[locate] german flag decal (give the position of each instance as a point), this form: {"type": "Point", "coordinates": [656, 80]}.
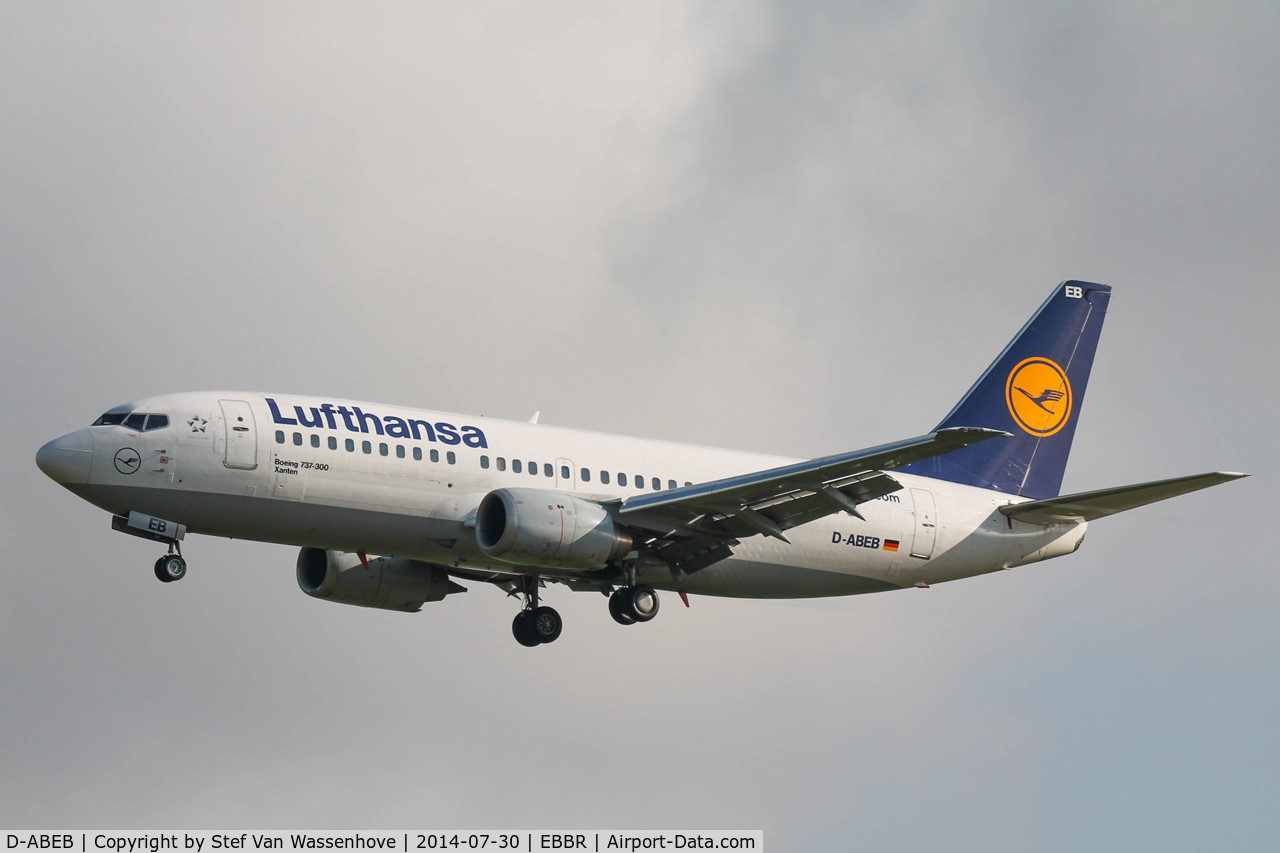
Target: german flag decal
{"type": "Point", "coordinates": [891, 544]}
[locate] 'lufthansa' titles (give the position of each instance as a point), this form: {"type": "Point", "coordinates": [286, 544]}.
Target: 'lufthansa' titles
{"type": "Point", "coordinates": [327, 416]}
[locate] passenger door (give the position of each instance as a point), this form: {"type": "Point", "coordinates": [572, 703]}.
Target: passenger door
{"type": "Point", "coordinates": [926, 531]}
{"type": "Point", "coordinates": [241, 435]}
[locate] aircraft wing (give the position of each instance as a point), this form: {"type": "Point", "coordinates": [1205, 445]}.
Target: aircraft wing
{"type": "Point", "coordinates": [697, 525]}
{"type": "Point", "coordinates": [1086, 506]}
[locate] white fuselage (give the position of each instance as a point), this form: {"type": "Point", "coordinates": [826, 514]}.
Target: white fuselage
{"type": "Point", "coordinates": [228, 464]}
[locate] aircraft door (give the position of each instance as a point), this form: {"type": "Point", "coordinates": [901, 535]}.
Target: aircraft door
{"type": "Point", "coordinates": [241, 435]}
{"type": "Point", "coordinates": [565, 475]}
{"type": "Point", "coordinates": [926, 527]}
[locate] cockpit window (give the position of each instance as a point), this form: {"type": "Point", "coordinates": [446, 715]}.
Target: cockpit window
{"type": "Point", "coordinates": [137, 420]}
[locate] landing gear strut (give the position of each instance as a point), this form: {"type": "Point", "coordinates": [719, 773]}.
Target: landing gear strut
{"type": "Point", "coordinates": [171, 567]}
{"type": "Point", "coordinates": [535, 624]}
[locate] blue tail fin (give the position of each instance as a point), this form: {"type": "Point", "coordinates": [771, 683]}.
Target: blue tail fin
{"type": "Point", "coordinates": [1034, 390]}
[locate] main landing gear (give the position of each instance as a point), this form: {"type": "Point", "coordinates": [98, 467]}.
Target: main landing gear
{"type": "Point", "coordinates": [631, 604]}
{"type": "Point", "coordinates": [534, 624]}
{"type": "Point", "coordinates": [171, 567]}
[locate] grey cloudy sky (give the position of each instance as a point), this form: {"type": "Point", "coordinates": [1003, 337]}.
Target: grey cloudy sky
{"type": "Point", "coordinates": [799, 228]}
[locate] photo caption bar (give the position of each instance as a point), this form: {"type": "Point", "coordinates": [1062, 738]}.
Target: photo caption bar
{"type": "Point", "coordinates": [401, 841]}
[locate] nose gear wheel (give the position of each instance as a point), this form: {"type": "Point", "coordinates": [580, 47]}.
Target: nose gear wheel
{"type": "Point", "coordinates": [171, 567]}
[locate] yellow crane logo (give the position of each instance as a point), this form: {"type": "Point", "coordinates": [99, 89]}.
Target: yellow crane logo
{"type": "Point", "coordinates": [1039, 396]}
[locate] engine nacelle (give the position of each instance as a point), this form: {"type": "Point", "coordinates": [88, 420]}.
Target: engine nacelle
{"type": "Point", "coordinates": [390, 583]}
{"type": "Point", "coordinates": [533, 527]}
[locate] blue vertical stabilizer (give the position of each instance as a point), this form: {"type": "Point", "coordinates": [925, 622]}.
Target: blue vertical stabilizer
{"type": "Point", "coordinates": [1034, 390]}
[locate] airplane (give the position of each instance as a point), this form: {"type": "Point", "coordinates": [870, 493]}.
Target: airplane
{"type": "Point", "coordinates": [440, 498]}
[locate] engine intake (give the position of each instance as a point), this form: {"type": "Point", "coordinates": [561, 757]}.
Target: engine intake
{"type": "Point", "coordinates": [533, 527]}
{"type": "Point", "coordinates": [390, 583]}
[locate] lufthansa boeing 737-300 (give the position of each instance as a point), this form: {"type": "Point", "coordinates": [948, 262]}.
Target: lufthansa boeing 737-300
{"type": "Point", "coordinates": [444, 498]}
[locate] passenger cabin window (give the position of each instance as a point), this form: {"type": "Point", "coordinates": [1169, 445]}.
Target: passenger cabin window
{"type": "Point", "coordinates": [297, 439]}
{"type": "Point", "coordinates": [687, 483]}
{"type": "Point", "coordinates": [622, 479]}
{"type": "Point", "coordinates": [157, 422]}
{"type": "Point", "coordinates": [484, 461]}
{"type": "Point", "coordinates": [671, 484]}
{"type": "Point", "coordinates": [351, 446]}
{"type": "Point", "coordinates": [315, 440]}
{"type": "Point", "coordinates": [435, 455]}
{"type": "Point", "coordinates": [417, 453]}
{"type": "Point", "coordinates": [110, 419]}
{"type": "Point", "coordinates": [366, 447]}
{"type": "Point", "coordinates": [136, 421]}
{"type": "Point", "coordinates": [451, 457]}
{"type": "Point", "coordinates": [604, 478]}
{"type": "Point", "coordinates": [533, 469]}
{"type": "Point", "coordinates": [657, 484]}
{"type": "Point", "coordinates": [399, 451]}
{"type": "Point", "coordinates": [547, 470]}
{"type": "Point", "coordinates": [564, 472]}
{"type": "Point", "coordinates": [382, 448]}
{"type": "Point", "coordinates": [279, 436]}
{"type": "Point", "coordinates": [639, 481]}
{"type": "Point", "coordinates": [333, 443]}
{"type": "Point", "coordinates": [515, 466]}
{"type": "Point", "coordinates": [586, 475]}
{"type": "Point", "coordinates": [502, 464]}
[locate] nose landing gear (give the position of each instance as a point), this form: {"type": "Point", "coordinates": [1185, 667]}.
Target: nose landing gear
{"type": "Point", "coordinates": [171, 567]}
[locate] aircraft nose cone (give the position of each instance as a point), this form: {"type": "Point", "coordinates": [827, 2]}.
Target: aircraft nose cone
{"type": "Point", "coordinates": [66, 460]}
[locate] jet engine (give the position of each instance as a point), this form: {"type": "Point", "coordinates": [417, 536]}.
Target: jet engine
{"type": "Point", "coordinates": [390, 583]}
{"type": "Point", "coordinates": [533, 527]}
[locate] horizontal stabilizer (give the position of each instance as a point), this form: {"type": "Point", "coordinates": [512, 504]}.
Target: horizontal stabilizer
{"type": "Point", "coordinates": [1086, 506]}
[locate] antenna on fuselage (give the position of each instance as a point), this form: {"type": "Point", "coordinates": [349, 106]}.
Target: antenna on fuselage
{"type": "Point", "coordinates": [534, 419]}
